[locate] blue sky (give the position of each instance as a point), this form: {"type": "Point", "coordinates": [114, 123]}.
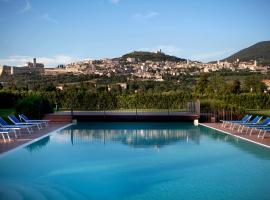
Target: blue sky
{"type": "Point", "coordinates": [58, 31]}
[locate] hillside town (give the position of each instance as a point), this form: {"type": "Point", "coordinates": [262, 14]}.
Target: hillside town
{"type": "Point", "coordinates": [146, 70]}
{"type": "Point", "coordinates": [156, 70]}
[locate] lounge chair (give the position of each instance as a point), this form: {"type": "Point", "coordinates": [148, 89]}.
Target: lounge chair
{"type": "Point", "coordinates": [252, 127]}
{"type": "Point", "coordinates": [5, 131]}
{"type": "Point", "coordinates": [233, 124]}
{"type": "Point", "coordinates": [263, 131]}
{"type": "Point", "coordinates": [16, 121]}
{"type": "Point", "coordinates": [4, 124]}
{"type": "Point", "coordinates": [246, 118]}
{"type": "Point", "coordinates": [27, 120]}
{"type": "Point", "coordinates": [252, 122]}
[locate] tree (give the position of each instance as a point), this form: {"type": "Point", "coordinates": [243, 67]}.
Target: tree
{"type": "Point", "coordinates": [234, 87]}
{"type": "Point", "coordinates": [217, 86]}
{"type": "Point", "coordinates": [253, 84]}
{"type": "Point", "coordinates": [201, 85]}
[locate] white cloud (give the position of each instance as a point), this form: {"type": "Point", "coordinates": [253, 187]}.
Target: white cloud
{"type": "Point", "coordinates": [49, 19]}
{"type": "Point", "coordinates": [151, 14]}
{"type": "Point", "coordinates": [27, 7]}
{"type": "Point", "coordinates": [211, 56]}
{"type": "Point", "coordinates": [145, 16]}
{"type": "Point", "coordinates": [47, 61]}
{"type": "Point", "coordinates": [114, 1]}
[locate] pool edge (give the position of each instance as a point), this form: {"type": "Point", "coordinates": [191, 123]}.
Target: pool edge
{"type": "Point", "coordinates": [34, 140]}
{"type": "Point", "coordinates": [237, 136]}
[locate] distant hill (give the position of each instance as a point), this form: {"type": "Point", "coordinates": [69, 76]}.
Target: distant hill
{"type": "Point", "coordinates": [159, 56]}
{"type": "Point", "coordinates": [259, 52]}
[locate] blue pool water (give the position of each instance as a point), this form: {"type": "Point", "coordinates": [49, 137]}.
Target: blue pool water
{"type": "Point", "coordinates": [136, 161]}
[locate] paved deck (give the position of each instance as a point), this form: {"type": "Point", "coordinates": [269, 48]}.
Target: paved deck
{"type": "Point", "coordinates": [245, 136]}
{"type": "Point", "coordinates": [26, 138]}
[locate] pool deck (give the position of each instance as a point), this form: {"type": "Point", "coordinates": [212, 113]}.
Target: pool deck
{"type": "Point", "coordinates": [26, 138]}
{"type": "Point", "coordinates": [250, 138]}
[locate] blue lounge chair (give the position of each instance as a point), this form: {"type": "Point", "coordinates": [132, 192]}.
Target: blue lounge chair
{"type": "Point", "coordinates": [252, 122]}
{"type": "Point", "coordinates": [15, 121]}
{"type": "Point", "coordinates": [252, 127]}
{"type": "Point", "coordinates": [27, 120]}
{"type": "Point", "coordinates": [5, 131]}
{"type": "Point", "coordinates": [233, 124]}
{"type": "Point", "coordinates": [263, 131]}
{"type": "Point", "coordinates": [4, 124]}
{"type": "Point", "coordinates": [246, 118]}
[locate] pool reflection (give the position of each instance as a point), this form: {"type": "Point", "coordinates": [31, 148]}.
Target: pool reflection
{"type": "Point", "coordinates": [144, 136]}
{"type": "Point", "coordinates": [38, 145]}
{"type": "Point", "coordinates": [138, 138]}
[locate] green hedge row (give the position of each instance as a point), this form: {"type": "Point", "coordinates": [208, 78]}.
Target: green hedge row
{"type": "Point", "coordinates": [36, 104]}
{"type": "Point", "coordinates": [109, 101]}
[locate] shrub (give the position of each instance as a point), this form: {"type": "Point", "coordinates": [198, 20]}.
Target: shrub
{"type": "Point", "coordinates": [8, 99]}
{"type": "Point", "coordinates": [34, 106]}
{"type": "Point", "coordinates": [218, 105]}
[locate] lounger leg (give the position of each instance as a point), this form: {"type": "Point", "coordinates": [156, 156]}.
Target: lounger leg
{"type": "Point", "coordinates": [3, 137]}
{"type": "Point", "coordinates": [243, 127]}
{"type": "Point", "coordinates": [15, 133]}
{"type": "Point", "coordinates": [8, 137]}
{"type": "Point", "coordinates": [28, 129]}
{"type": "Point", "coordinates": [263, 134]}
{"type": "Point", "coordinates": [239, 128]}
{"type": "Point", "coordinates": [247, 129]}
{"type": "Point", "coordinates": [250, 133]}
{"type": "Point", "coordinates": [259, 134]}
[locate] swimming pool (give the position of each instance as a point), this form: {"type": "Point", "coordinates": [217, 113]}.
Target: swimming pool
{"type": "Point", "coordinates": [136, 161]}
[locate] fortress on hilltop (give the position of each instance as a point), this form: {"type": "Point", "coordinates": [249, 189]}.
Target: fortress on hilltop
{"type": "Point", "coordinates": [31, 67]}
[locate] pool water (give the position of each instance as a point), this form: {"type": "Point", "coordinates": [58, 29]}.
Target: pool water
{"type": "Point", "coordinates": [136, 161]}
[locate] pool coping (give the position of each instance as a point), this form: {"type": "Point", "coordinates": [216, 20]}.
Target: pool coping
{"type": "Point", "coordinates": [237, 136]}
{"type": "Point", "coordinates": [35, 140]}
